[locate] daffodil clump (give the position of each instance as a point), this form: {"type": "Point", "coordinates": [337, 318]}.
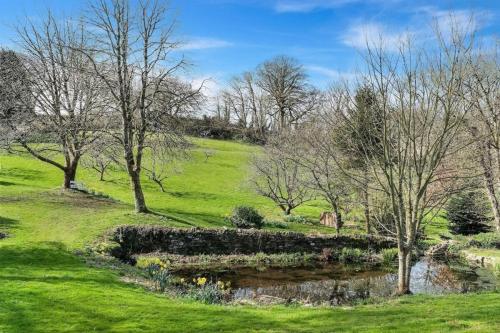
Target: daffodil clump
{"type": "Point", "coordinates": [145, 262]}
{"type": "Point", "coordinates": [201, 281]}
{"type": "Point", "coordinates": [203, 290]}
{"type": "Point", "coordinates": [224, 285]}
{"type": "Point", "coordinates": [199, 288]}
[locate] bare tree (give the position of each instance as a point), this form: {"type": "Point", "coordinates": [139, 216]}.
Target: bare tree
{"type": "Point", "coordinates": [164, 161]}
{"type": "Point", "coordinates": [421, 112]}
{"type": "Point", "coordinates": [101, 156]}
{"type": "Point", "coordinates": [316, 152]}
{"type": "Point", "coordinates": [222, 108]}
{"type": "Point", "coordinates": [16, 102]}
{"type": "Point", "coordinates": [237, 101]}
{"type": "Point", "coordinates": [285, 81]}
{"type": "Point", "coordinates": [482, 94]}
{"type": "Point", "coordinates": [280, 177]}
{"type": "Point", "coordinates": [246, 104]}
{"type": "Point", "coordinates": [259, 104]}
{"type": "Point", "coordinates": [136, 45]}
{"type": "Point", "coordinates": [67, 101]}
{"type": "Point", "coordinates": [175, 99]}
{"type": "Point", "coordinates": [208, 153]}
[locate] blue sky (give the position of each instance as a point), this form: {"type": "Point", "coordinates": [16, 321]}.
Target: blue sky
{"type": "Point", "coordinates": [227, 37]}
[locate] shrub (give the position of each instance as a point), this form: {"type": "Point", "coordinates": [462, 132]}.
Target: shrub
{"type": "Point", "coordinates": [389, 256]}
{"type": "Point", "coordinates": [489, 240]}
{"type": "Point", "coordinates": [296, 219]}
{"type": "Point", "coordinates": [245, 217]}
{"type": "Point", "coordinates": [105, 247]}
{"type": "Point", "coordinates": [468, 213]}
{"type": "Point", "coordinates": [350, 255]}
{"type": "Point", "coordinates": [382, 215]}
{"type": "Point", "coordinates": [276, 224]}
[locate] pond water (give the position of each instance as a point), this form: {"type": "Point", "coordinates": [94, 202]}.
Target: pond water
{"type": "Point", "coordinates": [338, 284]}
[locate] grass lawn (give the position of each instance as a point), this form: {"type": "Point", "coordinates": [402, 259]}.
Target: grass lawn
{"type": "Point", "coordinates": [46, 287]}
{"type": "Point", "coordinates": [492, 256]}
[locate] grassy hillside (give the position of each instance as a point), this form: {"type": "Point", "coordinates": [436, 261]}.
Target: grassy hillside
{"type": "Point", "coordinates": [201, 195]}
{"type": "Point", "coordinates": [46, 287]}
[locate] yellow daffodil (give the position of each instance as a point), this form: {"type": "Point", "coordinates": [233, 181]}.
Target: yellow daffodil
{"type": "Point", "coordinates": [201, 281]}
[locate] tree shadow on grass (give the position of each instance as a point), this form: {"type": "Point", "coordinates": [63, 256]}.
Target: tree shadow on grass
{"type": "Point", "coordinates": [6, 224]}
{"type": "Point", "coordinates": [45, 287]}
{"type": "Point", "coordinates": [24, 174]}
{"type": "Point", "coordinates": [194, 195]}
{"type": "Point", "coordinates": [46, 255]}
{"type": "Point", "coordinates": [191, 219]}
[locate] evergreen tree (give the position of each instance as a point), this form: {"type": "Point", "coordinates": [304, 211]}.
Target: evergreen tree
{"type": "Point", "coordinates": [468, 213]}
{"type": "Point", "coordinates": [359, 138]}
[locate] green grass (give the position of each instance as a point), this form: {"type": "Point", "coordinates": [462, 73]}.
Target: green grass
{"type": "Point", "coordinates": [492, 255]}
{"type": "Point", "coordinates": [202, 195]}
{"type": "Point", "coordinates": [436, 228]}
{"type": "Point", "coordinates": [46, 287]}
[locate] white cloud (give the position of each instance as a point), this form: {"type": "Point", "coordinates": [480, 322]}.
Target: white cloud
{"type": "Point", "coordinates": [372, 34]}
{"type": "Point", "coordinates": [304, 6]}
{"type": "Point", "coordinates": [201, 43]}
{"type": "Point", "coordinates": [459, 19]}
{"type": "Point", "coordinates": [208, 82]}
{"type": "Point", "coordinates": [331, 74]}
{"type": "Point", "coordinates": [419, 26]}
{"type": "Point", "coordinates": [210, 88]}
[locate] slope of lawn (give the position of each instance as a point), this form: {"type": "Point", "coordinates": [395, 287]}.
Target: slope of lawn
{"type": "Point", "coordinates": [202, 194]}
{"type": "Point", "coordinates": [46, 287]}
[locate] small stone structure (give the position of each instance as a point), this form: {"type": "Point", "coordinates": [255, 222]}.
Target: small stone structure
{"type": "Point", "coordinates": [327, 219]}
{"type": "Point", "coordinates": [330, 220]}
{"type": "Point", "coordinates": [146, 239]}
{"type": "Point", "coordinates": [74, 185]}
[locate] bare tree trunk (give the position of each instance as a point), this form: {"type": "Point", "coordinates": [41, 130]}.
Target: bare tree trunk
{"type": "Point", "coordinates": [69, 176]}
{"type": "Point", "coordinates": [366, 201]}
{"type": "Point", "coordinates": [70, 172]}
{"type": "Point", "coordinates": [486, 162]}
{"type": "Point", "coordinates": [139, 201]}
{"type": "Point", "coordinates": [490, 186]}
{"type": "Point", "coordinates": [159, 183]}
{"type": "Point", "coordinates": [404, 272]}
{"type": "Point", "coordinates": [338, 218]}
{"type": "Point", "coordinates": [282, 123]}
{"type": "Point", "coordinates": [288, 210]}
{"type": "Point", "coordinates": [494, 203]}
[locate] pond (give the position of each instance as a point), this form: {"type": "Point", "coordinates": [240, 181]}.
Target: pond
{"type": "Point", "coordinates": [338, 284]}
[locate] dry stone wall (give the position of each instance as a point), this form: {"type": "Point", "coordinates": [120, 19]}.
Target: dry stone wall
{"type": "Point", "coordinates": [146, 239]}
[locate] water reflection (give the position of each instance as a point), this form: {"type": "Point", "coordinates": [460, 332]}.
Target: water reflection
{"type": "Point", "coordinates": [340, 284]}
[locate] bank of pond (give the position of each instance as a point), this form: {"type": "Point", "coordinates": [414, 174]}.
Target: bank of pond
{"type": "Point", "coordinates": [342, 284]}
{"type": "Point", "coordinates": [227, 266]}
{"type": "Point", "coordinates": [312, 282]}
